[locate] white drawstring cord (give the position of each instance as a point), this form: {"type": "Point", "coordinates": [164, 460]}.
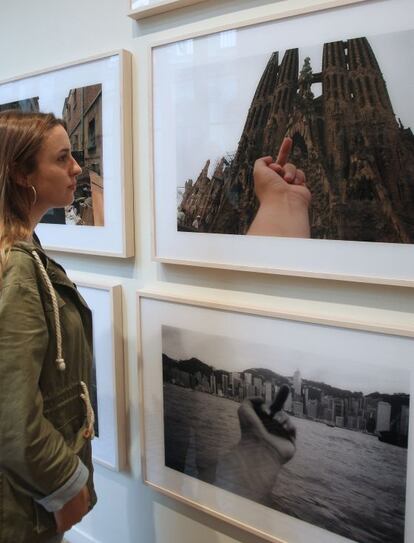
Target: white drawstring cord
{"type": "Point", "coordinates": [90, 415]}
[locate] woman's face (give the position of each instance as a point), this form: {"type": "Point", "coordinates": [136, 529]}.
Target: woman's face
{"type": "Point", "coordinates": [55, 176]}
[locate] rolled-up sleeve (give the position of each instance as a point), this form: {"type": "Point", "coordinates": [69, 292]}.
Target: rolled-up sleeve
{"type": "Point", "coordinates": [71, 488]}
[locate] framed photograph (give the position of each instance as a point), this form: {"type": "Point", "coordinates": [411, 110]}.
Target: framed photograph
{"type": "Point", "coordinates": [93, 97]}
{"type": "Point", "coordinates": [291, 429]}
{"type": "Point", "coordinates": [322, 95]}
{"type": "Point", "coordinates": [140, 9]}
{"type": "Point", "coordinates": [104, 297]}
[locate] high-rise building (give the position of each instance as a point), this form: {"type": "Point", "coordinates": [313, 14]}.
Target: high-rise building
{"type": "Point", "coordinates": [404, 420]}
{"type": "Point", "coordinates": [213, 384]}
{"type": "Point", "coordinates": [235, 382]}
{"type": "Point", "coordinates": [225, 384]}
{"type": "Point", "coordinates": [289, 403]}
{"type": "Point", "coordinates": [234, 376]}
{"type": "Point", "coordinates": [312, 408]}
{"type": "Point", "coordinates": [257, 383]}
{"type": "Point", "coordinates": [339, 408]}
{"type": "Point", "coordinates": [275, 391]}
{"type": "Point", "coordinates": [297, 383]}
{"type": "Point", "coordinates": [383, 417]}
{"type": "Point", "coordinates": [352, 422]}
{"type": "Point", "coordinates": [297, 408]}
{"type": "Point", "coordinates": [249, 390]}
{"type": "Point", "coordinates": [268, 391]}
{"type": "Point", "coordinates": [339, 421]}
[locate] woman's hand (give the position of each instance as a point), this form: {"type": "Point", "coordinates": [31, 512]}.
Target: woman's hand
{"type": "Point", "coordinates": [73, 511]}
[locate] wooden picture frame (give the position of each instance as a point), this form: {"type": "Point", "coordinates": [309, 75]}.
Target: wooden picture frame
{"type": "Point", "coordinates": [104, 297]}
{"type": "Point", "coordinates": [250, 345]}
{"type": "Point", "coordinates": [141, 9]}
{"type": "Point", "coordinates": [93, 96]}
{"type": "Point", "coordinates": [191, 62]}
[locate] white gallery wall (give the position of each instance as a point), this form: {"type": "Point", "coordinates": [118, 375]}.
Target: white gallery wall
{"type": "Point", "coordinates": [45, 33]}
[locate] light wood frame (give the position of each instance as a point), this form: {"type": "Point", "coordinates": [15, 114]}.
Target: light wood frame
{"type": "Point", "coordinates": [116, 237]}
{"type": "Point", "coordinates": [109, 448]}
{"type": "Point", "coordinates": [158, 7]}
{"type": "Point", "coordinates": [358, 319]}
{"type": "Point", "coordinates": [326, 266]}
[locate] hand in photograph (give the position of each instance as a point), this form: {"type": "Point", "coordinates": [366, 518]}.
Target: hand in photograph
{"type": "Point", "coordinates": [267, 442]}
{"type": "Point", "coordinates": [273, 427]}
{"type": "Point", "coordinates": [283, 197]}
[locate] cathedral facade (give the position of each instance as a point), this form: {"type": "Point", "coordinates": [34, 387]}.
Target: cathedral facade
{"type": "Point", "coordinates": [357, 157]}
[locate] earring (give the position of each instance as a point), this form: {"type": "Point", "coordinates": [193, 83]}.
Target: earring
{"type": "Point", "coordinates": [34, 195]}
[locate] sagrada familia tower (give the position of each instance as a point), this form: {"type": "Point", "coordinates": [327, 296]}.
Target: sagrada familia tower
{"type": "Point", "coordinates": [358, 159]}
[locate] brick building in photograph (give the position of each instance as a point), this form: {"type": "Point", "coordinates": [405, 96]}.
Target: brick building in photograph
{"type": "Point", "coordinates": [82, 112]}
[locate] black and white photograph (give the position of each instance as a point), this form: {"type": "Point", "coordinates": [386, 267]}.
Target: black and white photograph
{"type": "Point", "coordinates": [341, 459]}
{"type": "Point", "coordinates": [284, 420]}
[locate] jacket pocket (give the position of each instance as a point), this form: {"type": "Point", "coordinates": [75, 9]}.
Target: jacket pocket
{"type": "Point", "coordinates": [67, 413]}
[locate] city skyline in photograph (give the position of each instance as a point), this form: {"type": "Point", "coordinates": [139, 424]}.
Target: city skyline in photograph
{"type": "Point", "coordinates": [235, 355]}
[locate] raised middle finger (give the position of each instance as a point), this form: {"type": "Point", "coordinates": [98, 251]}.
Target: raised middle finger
{"type": "Point", "coordinates": [284, 151]}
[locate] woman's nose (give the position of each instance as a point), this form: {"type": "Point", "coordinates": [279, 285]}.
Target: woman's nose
{"type": "Point", "coordinates": [76, 168]}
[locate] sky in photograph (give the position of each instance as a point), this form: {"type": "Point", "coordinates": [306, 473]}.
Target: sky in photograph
{"type": "Point", "coordinates": [316, 363]}
{"type": "Point", "coordinates": [50, 104]}
{"type": "Point", "coordinates": [211, 81]}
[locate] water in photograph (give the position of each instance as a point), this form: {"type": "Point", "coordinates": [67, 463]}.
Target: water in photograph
{"type": "Point", "coordinates": [345, 481]}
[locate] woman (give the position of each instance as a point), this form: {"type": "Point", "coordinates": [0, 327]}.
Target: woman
{"type": "Point", "coordinates": [46, 419]}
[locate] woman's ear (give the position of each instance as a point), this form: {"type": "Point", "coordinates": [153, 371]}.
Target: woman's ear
{"type": "Point", "coordinates": [21, 180]}
{"type": "Point", "coordinates": [19, 177]}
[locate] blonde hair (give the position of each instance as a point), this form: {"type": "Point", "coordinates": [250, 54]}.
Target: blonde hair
{"type": "Point", "coordinates": [21, 136]}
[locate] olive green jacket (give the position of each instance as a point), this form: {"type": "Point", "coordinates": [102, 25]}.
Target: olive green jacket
{"type": "Point", "coordinates": [43, 422]}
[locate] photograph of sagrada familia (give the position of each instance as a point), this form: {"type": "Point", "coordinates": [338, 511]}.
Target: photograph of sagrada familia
{"type": "Point", "coordinates": [358, 158]}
